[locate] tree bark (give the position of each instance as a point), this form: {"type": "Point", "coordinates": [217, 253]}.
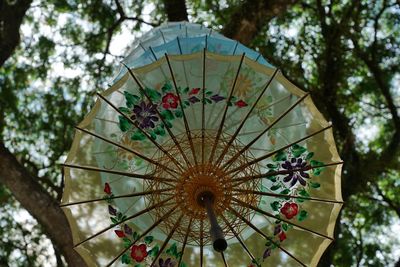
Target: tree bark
{"type": "Point", "coordinates": [251, 16]}
{"type": "Point", "coordinates": [41, 205]}
{"type": "Point", "coordinates": [176, 10]}
{"type": "Point", "coordinates": [11, 15]}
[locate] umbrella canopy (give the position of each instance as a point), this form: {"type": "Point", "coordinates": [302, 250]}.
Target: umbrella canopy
{"type": "Point", "coordinates": [202, 159]}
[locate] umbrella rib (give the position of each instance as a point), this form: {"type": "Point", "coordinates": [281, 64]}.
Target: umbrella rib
{"type": "Point", "coordinates": [223, 258]}
{"type": "Point", "coordinates": [179, 165]}
{"type": "Point", "coordinates": [144, 193]}
{"type": "Point", "coordinates": [281, 172]}
{"type": "Point", "coordinates": [238, 238]}
{"type": "Point", "coordinates": [260, 109]}
{"type": "Point", "coordinates": [266, 237]}
{"type": "Point", "coordinates": [189, 136]}
{"type": "Point", "coordinates": [255, 192]}
{"type": "Point", "coordinates": [133, 175]}
{"type": "Point", "coordinates": [165, 243]}
{"type": "Point", "coordinates": [143, 234]}
{"type": "Point", "coordinates": [124, 220]}
{"type": "Point", "coordinates": [244, 166]}
{"type": "Point", "coordinates": [129, 150]}
{"type": "Point", "coordinates": [221, 125]}
{"type": "Point", "coordinates": [185, 242]}
{"type": "Point", "coordinates": [143, 91]}
{"type": "Point", "coordinates": [281, 219]}
{"type": "Point", "coordinates": [245, 118]}
{"type": "Point", "coordinates": [203, 120]}
{"type": "Point", "coordinates": [230, 161]}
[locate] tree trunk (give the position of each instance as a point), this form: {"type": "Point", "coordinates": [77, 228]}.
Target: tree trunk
{"type": "Point", "coordinates": [40, 204]}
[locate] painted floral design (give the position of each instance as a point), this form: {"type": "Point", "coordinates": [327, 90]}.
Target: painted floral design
{"type": "Point", "coordinates": [139, 253]}
{"type": "Point", "coordinates": [170, 101]}
{"type": "Point", "coordinates": [290, 210]}
{"type": "Point", "coordinates": [295, 176]}
{"type": "Point", "coordinates": [143, 251]}
{"type": "Point", "coordinates": [145, 115]}
{"type": "Point", "coordinates": [164, 101]}
{"type": "Point", "coordinates": [165, 263]}
{"type": "Point", "coordinates": [297, 168]}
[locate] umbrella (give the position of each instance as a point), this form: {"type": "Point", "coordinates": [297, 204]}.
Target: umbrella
{"type": "Point", "coordinates": [201, 158]}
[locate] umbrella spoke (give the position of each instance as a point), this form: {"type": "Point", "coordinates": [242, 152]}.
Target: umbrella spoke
{"type": "Point", "coordinates": [244, 166]}
{"type": "Point", "coordinates": [203, 116]}
{"type": "Point", "coordinates": [185, 242]}
{"type": "Point", "coordinates": [281, 219]}
{"type": "Point", "coordinates": [242, 191]}
{"type": "Point", "coordinates": [265, 236]}
{"type": "Point", "coordinates": [245, 118]}
{"type": "Point", "coordinates": [144, 193]}
{"type": "Point", "coordinates": [189, 135]}
{"type": "Point", "coordinates": [221, 125]}
{"type": "Point", "coordinates": [144, 234]}
{"type": "Point", "coordinates": [171, 134]}
{"type": "Point", "coordinates": [126, 219]}
{"type": "Point", "coordinates": [260, 110]}
{"type": "Point", "coordinates": [171, 171]}
{"type": "Point", "coordinates": [167, 240]}
{"type": "Point", "coordinates": [238, 238]}
{"type": "Point", "coordinates": [229, 162]}
{"type": "Point", "coordinates": [122, 173]}
{"type": "Point", "coordinates": [177, 163]}
{"type": "Point", "coordinates": [223, 258]}
{"type": "Point", "coordinates": [282, 172]}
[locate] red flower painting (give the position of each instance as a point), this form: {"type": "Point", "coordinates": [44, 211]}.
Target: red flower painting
{"type": "Point", "coordinates": [290, 210]}
{"type": "Point", "coordinates": [138, 253]}
{"type": "Point", "coordinates": [170, 101]}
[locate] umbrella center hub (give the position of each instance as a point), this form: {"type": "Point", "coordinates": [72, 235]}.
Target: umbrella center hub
{"type": "Point", "coordinates": [203, 180]}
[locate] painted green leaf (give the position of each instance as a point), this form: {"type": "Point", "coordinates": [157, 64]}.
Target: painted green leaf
{"type": "Point", "coordinates": [138, 136]}
{"type": "Point", "coordinates": [178, 113]}
{"type": "Point", "coordinates": [304, 193]}
{"type": "Point", "coordinates": [183, 264]}
{"type": "Point", "coordinates": [154, 251]}
{"type": "Point", "coordinates": [280, 156]}
{"type": "Point", "coordinates": [114, 220]}
{"type": "Point", "coordinates": [309, 155]}
{"type": "Point", "coordinates": [315, 185]}
{"type": "Point", "coordinates": [148, 239]}
{"type": "Point", "coordinates": [124, 110]}
{"type": "Point", "coordinates": [298, 150]}
{"type": "Point", "coordinates": [285, 227]}
{"type": "Point", "coordinates": [126, 259]}
{"type": "Point", "coordinates": [159, 131]}
{"type": "Point", "coordinates": [284, 192]}
{"type": "Point", "coordinates": [131, 99]}
{"type": "Point", "coordinates": [302, 215]}
{"type": "Point", "coordinates": [272, 178]}
{"type": "Point", "coordinates": [272, 166]}
{"type": "Point", "coordinates": [167, 87]}
{"type": "Point", "coordinates": [275, 187]}
{"type": "Point", "coordinates": [135, 235]}
{"type": "Point", "coordinates": [316, 163]}
{"type": "Point", "coordinates": [167, 114]}
{"type": "Point", "coordinates": [275, 205]}
{"type": "Point", "coordinates": [127, 242]}
{"type": "Point", "coordinates": [173, 250]}
{"type": "Point", "coordinates": [124, 124]}
{"type": "Point", "coordinates": [153, 95]}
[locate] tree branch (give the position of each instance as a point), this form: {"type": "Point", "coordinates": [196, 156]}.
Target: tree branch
{"type": "Point", "coordinates": [176, 10]}
{"type": "Point", "coordinates": [11, 15]}
{"type": "Point", "coordinates": [39, 204]}
{"type": "Point", "coordinates": [251, 16]}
